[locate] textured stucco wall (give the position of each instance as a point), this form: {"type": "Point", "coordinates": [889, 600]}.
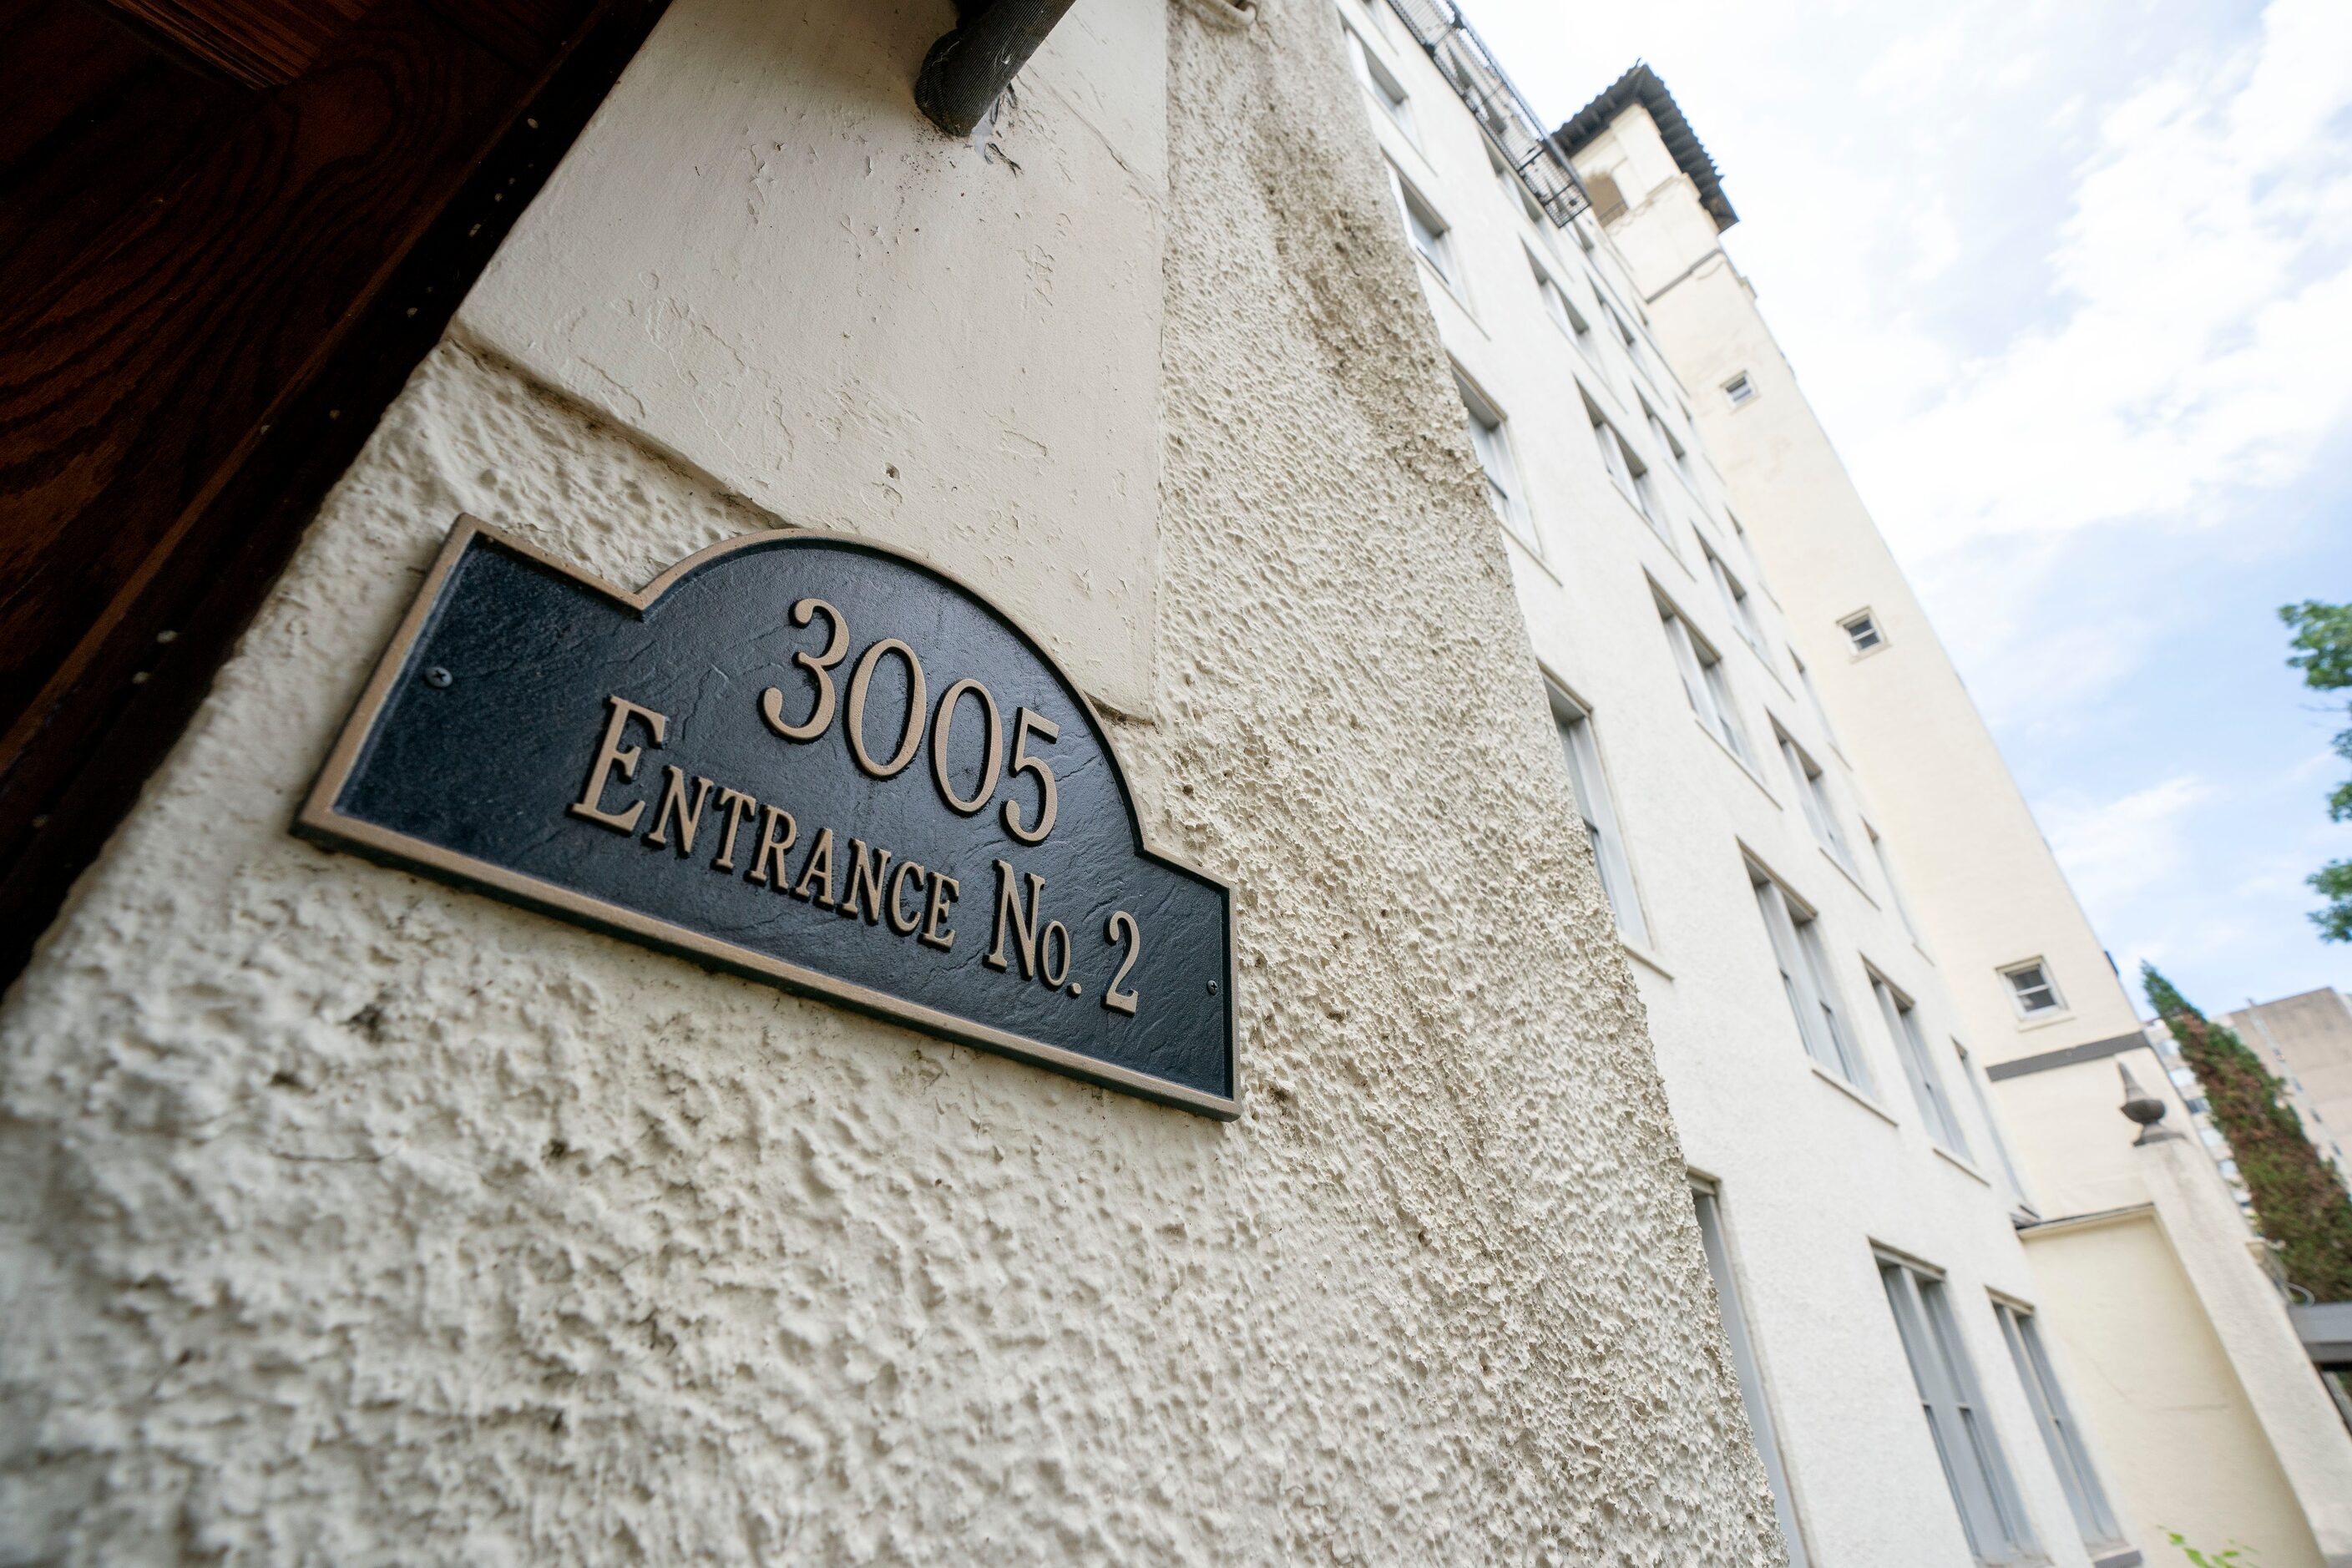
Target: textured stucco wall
{"type": "Point", "coordinates": [348, 1218]}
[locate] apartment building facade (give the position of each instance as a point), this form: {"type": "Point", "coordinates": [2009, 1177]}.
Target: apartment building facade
{"type": "Point", "coordinates": [2186, 1368]}
{"type": "Point", "coordinates": [1853, 1183]}
{"type": "Point", "coordinates": [356, 1215]}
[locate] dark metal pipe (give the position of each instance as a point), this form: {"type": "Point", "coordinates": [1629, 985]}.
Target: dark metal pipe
{"type": "Point", "coordinates": [970, 66]}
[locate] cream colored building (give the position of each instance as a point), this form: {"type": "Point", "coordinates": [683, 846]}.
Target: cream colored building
{"type": "Point", "coordinates": [1850, 1172]}
{"type": "Point", "coordinates": [2209, 1419]}
{"type": "Point", "coordinates": [353, 1218]}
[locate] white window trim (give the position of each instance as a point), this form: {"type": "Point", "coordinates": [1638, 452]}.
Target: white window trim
{"type": "Point", "coordinates": [1901, 1015]}
{"type": "Point", "coordinates": [1588, 778]}
{"type": "Point", "coordinates": [1706, 683]}
{"type": "Point", "coordinates": [1742, 379]}
{"type": "Point", "coordinates": [1813, 798]}
{"type": "Point", "coordinates": [1373, 74]}
{"type": "Point", "coordinates": [2008, 975]}
{"type": "Point", "coordinates": [1488, 429]}
{"type": "Point", "coordinates": [1993, 1515]}
{"type": "Point", "coordinates": [1878, 631]}
{"type": "Point", "coordinates": [1706, 1200]}
{"type": "Point", "coordinates": [1735, 601]}
{"type": "Point", "coordinates": [1823, 1022]}
{"type": "Point", "coordinates": [2062, 1434]}
{"type": "Point", "coordinates": [1448, 263]}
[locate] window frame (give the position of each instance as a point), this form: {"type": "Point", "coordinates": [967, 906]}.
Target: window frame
{"type": "Point", "coordinates": [1994, 1133]}
{"type": "Point", "coordinates": [1855, 624]}
{"type": "Point", "coordinates": [1736, 601]}
{"type": "Point", "coordinates": [2009, 973]}
{"type": "Point", "coordinates": [1373, 74]}
{"type": "Point", "coordinates": [1813, 797]}
{"type": "Point", "coordinates": [1420, 213]}
{"type": "Point", "coordinates": [1976, 1467]}
{"type": "Point", "coordinates": [1937, 1113]}
{"type": "Point", "coordinates": [1736, 398]}
{"type": "Point", "coordinates": [2069, 1453]}
{"type": "Point", "coordinates": [1706, 682]}
{"type": "Point", "coordinates": [1490, 442]}
{"type": "Point", "coordinates": [1824, 1025]}
{"type": "Point", "coordinates": [1588, 779]}
{"type": "Point", "coordinates": [1715, 1243]}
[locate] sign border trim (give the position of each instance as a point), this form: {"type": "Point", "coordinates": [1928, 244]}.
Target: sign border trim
{"type": "Point", "coordinates": [318, 822]}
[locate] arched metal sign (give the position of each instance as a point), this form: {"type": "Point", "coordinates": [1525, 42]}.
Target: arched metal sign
{"type": "Point", "coordinates": [808, 759]}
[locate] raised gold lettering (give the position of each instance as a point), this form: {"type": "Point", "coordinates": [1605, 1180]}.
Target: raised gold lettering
{"type": "Point", "coordinates": [836, 649]}
{"type": "Point", "coordinates": [819, 863]}
{"type": "Point", "coordinates": [991, 769]}
{"type": "Point", "coordinates": [911, 736]}
{"type": "Point", "coordinates": [867, 869]}
{"type": "Point", "coordinates": [772, 848]}
{"type": "Point", "coordinates": [613, 757]}
{"type": "Point", "coordinates": [1023, 762]}
{"type": "Point", "coordinates": [901, 922]}
{"type": "Point", "coordinates": [737, 805]}
{"type": "Point", "coordinates": [1054, 932]}
{"type": "Point", "coordinates": [942, 897]}
{"type": "Point", "coordinates": [674, 808]}
{"type": "Point", "coordinates": [1023, 927]}
{"type": "Point", "coordinates": [1115, 999]}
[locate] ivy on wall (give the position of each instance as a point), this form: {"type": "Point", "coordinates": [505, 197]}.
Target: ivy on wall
{"type": "Point", "coordinates": [2298, 1202]}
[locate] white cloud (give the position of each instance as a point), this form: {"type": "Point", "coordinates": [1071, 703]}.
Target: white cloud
{"type": "Point", "coordinates": [2113, 851]}
{"type": "Point", "coordinates": [2204, 280]}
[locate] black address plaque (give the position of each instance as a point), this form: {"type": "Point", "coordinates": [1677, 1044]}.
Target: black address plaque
{"type": "Point", "coordinates": [808, 759]}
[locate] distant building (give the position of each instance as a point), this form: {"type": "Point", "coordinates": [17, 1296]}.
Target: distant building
{"type": "Point", "coordinates": [2195, 1395]}
{"type": "Point", "coordinates": [2307, 1039]}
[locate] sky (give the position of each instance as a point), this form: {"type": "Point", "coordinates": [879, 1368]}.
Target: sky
{"type": "Point", "coordinates": [2071, 287]}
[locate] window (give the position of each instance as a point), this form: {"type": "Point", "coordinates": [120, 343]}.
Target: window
{"type": "Point", "coordinates": [1556, 305]}
{"type": "Point", "coordinates": [1796, 942]}
{"type": "Point", "coordinates": [1863, 631]}
{"type": "Point", "coordinates": [1384, 87]}
{"type": "Point", "coordinates": [1736, 600]}
{"type": "Point", "coordinates": [1633, 476]}
{"type": "Point", "coordinates": [1706, 684]}
{"type": "Point", "coordinates": [2068, 1454]}
{"type": "Point", "coordinates": [1665, 439]}
{"type": "Point", "coordinates": [1886, 875]}
{"type": "Point", "coordinates": [1494, 449]}
{"type": "Point", "coordinates": [1974, 1467]}
{"type": "Point", "coordinates": [1600, 814]}
{"type": "Point", "coordinates": [1608, 202]}
{"type": "Point", "coordinates": [1926, 1088]}
{"type": "Point", "coordinates": [1430, 234]}
{"type": "Point", "coordinates": [1743, 1361]}
{"type": "Point", "coordinates": [1372, 11]}
{"type": "Point", "coordinates": [2032, 990]}
{"type": "Point", "coordinates": [1812, 696]}
{"type": "Point", "coordinates": [1992, 1128]}
{"type": "Point", "coordinates": [1813, 797]}
{"type": "Point", "coordinates": [1738, 389]}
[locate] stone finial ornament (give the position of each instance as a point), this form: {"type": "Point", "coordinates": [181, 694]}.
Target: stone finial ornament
{"type": "Point", "coordinates": [2144, 1107]}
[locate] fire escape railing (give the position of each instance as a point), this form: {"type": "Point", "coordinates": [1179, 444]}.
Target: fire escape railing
{"type": "Point", "coordinates": [1463, 59]}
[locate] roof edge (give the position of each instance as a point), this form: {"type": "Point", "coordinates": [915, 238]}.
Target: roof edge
{"type": "Point", "coordinates": [1640, 85]}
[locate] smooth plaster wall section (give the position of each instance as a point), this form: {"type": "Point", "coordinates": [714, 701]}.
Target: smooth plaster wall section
{"type": "Point", "coordinates": [760, 258]}
{"type": "Point", "coordinates": [2149, 1381]}
{"type": "Point", "coordinates": [351, 1218]}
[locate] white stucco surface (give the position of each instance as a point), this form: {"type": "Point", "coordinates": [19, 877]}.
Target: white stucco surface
{"type": "Point", "coordinates": [344, 1217]}
{"type": "Point", "coordinates": [760, 259]}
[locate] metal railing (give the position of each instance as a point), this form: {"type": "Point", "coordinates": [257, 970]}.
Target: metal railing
{"type": "Point", "coordinates": [1463, 59]}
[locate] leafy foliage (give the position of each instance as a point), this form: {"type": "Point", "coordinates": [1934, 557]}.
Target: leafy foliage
{"type": "Point", "coordinates": [2298, 1201]}
{"type": "Point", "coordinates": [2230, 1559]}
{"type": "Point", "coordinates": [2323, 644]}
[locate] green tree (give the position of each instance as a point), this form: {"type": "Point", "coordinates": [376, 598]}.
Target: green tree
{"type": "Point", "coordinates": [2298, 1201]}
{"type": "Point", "coordinates": [2323, 644]}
